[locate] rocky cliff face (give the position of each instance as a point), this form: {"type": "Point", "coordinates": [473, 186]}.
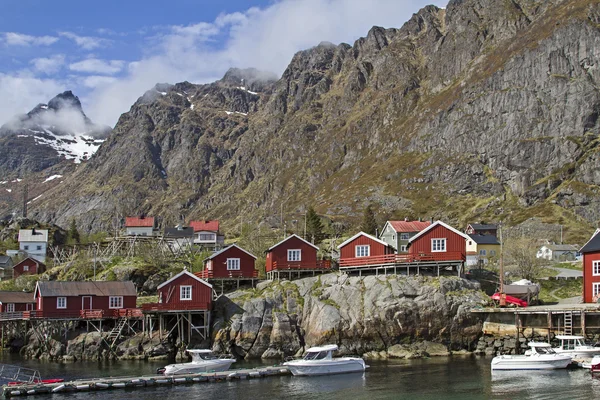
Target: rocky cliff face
{"type": "Point", "coordinates": [484, 110]}
{"type": "Point", "coordinates": [375, 315]}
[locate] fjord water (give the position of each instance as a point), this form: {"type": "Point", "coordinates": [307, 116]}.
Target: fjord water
{"type": "Point", "coordinates": [461, 377]}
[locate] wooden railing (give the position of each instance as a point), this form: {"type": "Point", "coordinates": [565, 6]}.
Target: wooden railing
{"type": "Point", "coordinates": [74, 314]}
{"type": "Point", "coordinates": [206, 274]}
{"type": "Point", "coordinates": [150, 307]}
{"type": "Point", "coordinates": [390, 259]}
{"type": "Point", "coordinates": [300, 265]}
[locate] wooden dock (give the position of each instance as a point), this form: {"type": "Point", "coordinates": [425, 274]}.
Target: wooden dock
{"type": "Point", "coordinates": [88, 385]}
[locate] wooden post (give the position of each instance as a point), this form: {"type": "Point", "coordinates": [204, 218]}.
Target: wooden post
{"type": "Point", "coordinates": [549, 325]}
{"type": "Point", "coordinates": [583, 323]}
{"type": "Point", "coordinates": [190, 325]}
{"type": "Point", "coordinates": [517, 323]}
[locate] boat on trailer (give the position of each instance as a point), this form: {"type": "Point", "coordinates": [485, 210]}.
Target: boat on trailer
{"type": "Point", "coordinates": [539, 356]}
{"type": "Point", "coordinates": [203, 360]}
{"type": "Point", "coordinates": [576, 347]}
{"type": "Point", "coordinates": [320, 361]}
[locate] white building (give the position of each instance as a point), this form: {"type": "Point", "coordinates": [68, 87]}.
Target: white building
{"type": "Point", "coordinates": [34, 242]}
{"type": "Point", "coordinates": [139, 226]}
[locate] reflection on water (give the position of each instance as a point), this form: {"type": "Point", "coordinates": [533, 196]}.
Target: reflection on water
{"type": "Point", "coordinates": [462, 377]}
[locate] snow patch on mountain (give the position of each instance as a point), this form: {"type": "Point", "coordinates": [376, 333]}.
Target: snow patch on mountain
{"type": "Point", "coordinates": [72, 147]}
{"type": "Point", "coordinates": [53, 177]}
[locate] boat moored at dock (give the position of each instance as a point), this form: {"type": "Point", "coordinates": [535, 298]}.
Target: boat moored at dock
{"type": "Point", "coordinates": [539, 356]}
{"type": "Point", "coordinates": [203, 360]}
{"type": "Point", "coordinates": [320, 361]}
{"type": "Point", "coordinates": [575, 347]}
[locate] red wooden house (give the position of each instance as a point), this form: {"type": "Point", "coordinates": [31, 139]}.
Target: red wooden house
{"type": "Point", "coordinates": [438, 242]}
{"type": "Point", "coordinates": [16, 302]}
{"type": "Point", "coordinates": [55, 299]}
{"type": "Point", "coordinates": [364, 249]}
{"type": "Point", "coordinates": [231, 262]}
{"type": "Point", "coordinates": [591, 269]}
{"type": "Point", "coordinates": [28, 266]}
{"type": "Point", "coordinates": [294, 253]}
{"type": "Point", "coordinates": [183, 292]}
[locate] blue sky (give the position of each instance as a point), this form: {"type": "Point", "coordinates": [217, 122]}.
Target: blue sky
{"type": "Point", "coordinates": [109, 52]}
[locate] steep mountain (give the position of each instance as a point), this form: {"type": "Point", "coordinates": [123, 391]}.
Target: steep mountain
{"type": "Point", "coordinates": [44, 144]}
{"type": "Point", "coordinates": [487, 109]}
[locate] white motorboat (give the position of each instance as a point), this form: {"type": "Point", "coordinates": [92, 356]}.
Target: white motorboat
{"type": "Point", "coordinates": [320, 361]}
{"type": "Point", "coordinates": [539, 356]}
{"type": "Point", "coordinates": [203, 360]}
{"type": "Point", "coordinates": [575, 347]}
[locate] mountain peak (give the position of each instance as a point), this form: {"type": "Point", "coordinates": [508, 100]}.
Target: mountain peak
{"type": "Point", "coordinates": [65, 99]}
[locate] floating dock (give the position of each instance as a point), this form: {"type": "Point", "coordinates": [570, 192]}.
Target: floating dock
{"type": "Point", "coordinates": [85, 385]}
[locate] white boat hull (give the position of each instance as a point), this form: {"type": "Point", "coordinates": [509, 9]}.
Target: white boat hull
{"type": "Point", "coordinates": [507, 362]}
{"type": "Point", "coordinates": [326, 367]}
{"type": "Point", "coordinates": [580, 353]}
{"type": "Point", "coordinates": [196, 368]}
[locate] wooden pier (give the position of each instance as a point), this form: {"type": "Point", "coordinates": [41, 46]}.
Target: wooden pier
{"type": "Point", "coordinates": [89, 385]}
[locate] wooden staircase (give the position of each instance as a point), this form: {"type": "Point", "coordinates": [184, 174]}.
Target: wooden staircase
{"type": "Point", "coordinates": [115, 333]}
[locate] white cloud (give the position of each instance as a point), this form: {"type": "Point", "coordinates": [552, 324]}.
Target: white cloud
{"type": "Point", "coordinates": [21, 92]}
{"type": "Point", "coordinates": [265, 38]}
{"type": "Point", "coordinates": [20, 39]}
{"type": "Point", "coordinates": [97, 66]}
{"type": "Point", "coordinates": [96, 81]}
{"type": "Point", "coordinates": [48, 65]}
{"type": "Point", "coordinates": [86, 42]}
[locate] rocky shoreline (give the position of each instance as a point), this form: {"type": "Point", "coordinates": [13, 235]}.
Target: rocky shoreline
{"type": "Point", "coordinates": [377, 317]}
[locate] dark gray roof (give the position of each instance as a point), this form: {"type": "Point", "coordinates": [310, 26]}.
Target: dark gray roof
{"type": "Point", "coordinates": [16, 297]}
{"type": "Point", "coordinates": [483, 227]}
{"type": "Point", "coordinates": [5, 260]}
{"type": "Point", "coordinates": [60, 288]}
{"type": "Point", "coordinates": [484, 239]}
{"type": "Point", "coordinates": [592, 245]}
{"type": "Point", "coordinates": [177, 233]}
{"type": "Point", "coordinates": [562, 247]}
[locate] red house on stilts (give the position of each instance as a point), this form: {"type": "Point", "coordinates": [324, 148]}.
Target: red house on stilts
{"type": "Point", "coordinates": [232, 262]}
{"type": "Point", "coordinates": [294, 256]}
{"type": "Point", "coordinates": [363, 249]}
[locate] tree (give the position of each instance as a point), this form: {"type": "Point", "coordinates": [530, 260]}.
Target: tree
{"type": "Point", "coordinates": [369, 223]}
{"type": "Point", "coordinates": [73, 234]}
{"type": "Point", "coordinates": [314, 226]}
{"type": "Point", "coordinates": [520, 257]}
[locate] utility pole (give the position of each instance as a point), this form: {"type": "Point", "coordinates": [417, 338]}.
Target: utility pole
{"type": "Point", "coordinates": [25, 195]}
{"type": "Point", "coordinates": [305, 213]}
{"type": "Point", "coordinates": [502, 295]}
{"type": "Point", "coordinates": [561, 235]}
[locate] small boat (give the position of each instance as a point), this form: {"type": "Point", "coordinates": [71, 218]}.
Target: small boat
{"type": "Point", "coordinates": [523, 289]}
{"type": "Point", "coordinates": [203, 360]}
{"type": "Point", "coordinates": [539, 356]}
{"type": "Point", "coordinates": [319, 361]}
{"type": "Point", "coordinates": [593, 364]}
{"type": "Point", "coordinates": [575, 347]}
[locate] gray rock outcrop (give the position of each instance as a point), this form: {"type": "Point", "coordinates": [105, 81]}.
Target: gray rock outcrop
{"type": "Point", "coordinates": [359, 314]}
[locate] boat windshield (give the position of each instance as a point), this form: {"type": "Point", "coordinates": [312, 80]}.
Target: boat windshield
{"type": "Point", "coordinates": [568, 344]}
{"type": "Point", "coordinates": [203, 356]}
{"type": "Point", "coordinates": [544, 350]}
{"type": "Point", "coordinates": [317, 355]}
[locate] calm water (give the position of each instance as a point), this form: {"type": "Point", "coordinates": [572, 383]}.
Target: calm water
{"type": "Point", "coordinates": [438, 378]}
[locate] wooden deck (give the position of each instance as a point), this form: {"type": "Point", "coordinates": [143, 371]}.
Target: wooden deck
{"type": "Point", "coordinates": [72, 315]}
{"type": "Point", "coordinates": [89, 385]}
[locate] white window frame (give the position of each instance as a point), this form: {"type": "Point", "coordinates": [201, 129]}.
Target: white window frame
{"type": "Point", "coordinates": [361, 252]}
{"type": "Point", "coordinates": [10, 307]}
{"type": "Point", "coordinates": [404, 236]}
{"type": "Point", "coordinates": [438, 248]}
{"type": "Point", "coordinates": [112, 300]}
{"type": "Point", "coordinates": [185, 292]}
{"type": "Point", "coordinates": [233, 264]}
{"type": "Point", "coordinates": [596, 268]}
{"type": "Point", "coordinates": [403, 248]}
{"type": "Point", "coordinates": [61, 303]}
{"type": "Point", "coordinates": [38, 247]}
{"type": "Point", "coordinates": [25, 268]}
{"type": "Point", "coordinates": [483, 253]}
{"type": "Point", "coordinates": [595, 289]}
{"type": "Point", "coordinates": [26, 247]}
{"type": "Point", "coordinates": [291, 255]}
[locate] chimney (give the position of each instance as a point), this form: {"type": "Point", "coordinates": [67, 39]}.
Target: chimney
{"type": "Point", "coordinates": [33, 231]}
{"type": "Point", "coordinates": [405, 219]}
{"type": "Point", "coordinates": [432, 220]}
